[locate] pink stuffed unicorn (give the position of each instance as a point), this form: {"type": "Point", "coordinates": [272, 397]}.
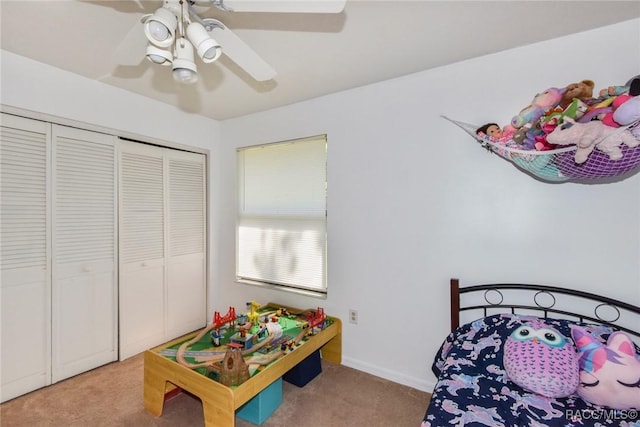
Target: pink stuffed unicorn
{"type": "Point", "coordinates": [541, 103]}
{"type": "Point", "coordinates": [609, 375]}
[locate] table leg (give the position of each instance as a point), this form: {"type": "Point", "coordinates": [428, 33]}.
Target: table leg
{"type": "Point", "coordinates": [215, 415]}
{"type": "Point", "coordinates": [332, 350]}
{"type": "Point", "coordinates": [154, 389]}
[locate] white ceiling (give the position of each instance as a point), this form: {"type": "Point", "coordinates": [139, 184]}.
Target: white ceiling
{"type": "Point", "coordinates": [314, 54]}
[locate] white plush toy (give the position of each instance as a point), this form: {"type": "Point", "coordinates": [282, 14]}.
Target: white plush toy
{"type": "Point", "coordinates": [628, 113]}
{"type": "Point", "coordinates": [591, 135]}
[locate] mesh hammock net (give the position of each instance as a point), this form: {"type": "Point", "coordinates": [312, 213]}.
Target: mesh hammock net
{"type": "Point", "coordinates": [559, 165]}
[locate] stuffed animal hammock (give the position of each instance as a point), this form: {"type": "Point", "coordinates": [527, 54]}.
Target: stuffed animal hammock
{"type": "Point", "coordinates": [613, 153]}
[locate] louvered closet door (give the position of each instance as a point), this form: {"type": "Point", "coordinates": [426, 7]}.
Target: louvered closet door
{"type": "Point", "coordinates": [142, 248]}
{"type": "Point", "coordinates": [84, 252]}
{"type": "Point", "coordinates": [24, 251]}
{"type": "Point", "coordinates": [186, 301]}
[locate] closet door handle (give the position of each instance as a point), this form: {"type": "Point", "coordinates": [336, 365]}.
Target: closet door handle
{"type": "Point", "coordinates": [87, 269]}
{"type": "Point", "coordinates": [144, 264]}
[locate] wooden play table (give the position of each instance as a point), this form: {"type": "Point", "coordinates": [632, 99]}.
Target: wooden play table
{"type": "Point", "coordinates": [219, 402]}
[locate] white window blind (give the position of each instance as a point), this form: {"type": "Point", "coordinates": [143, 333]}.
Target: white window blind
{"type": "Point", "coordinates": [281, 234]}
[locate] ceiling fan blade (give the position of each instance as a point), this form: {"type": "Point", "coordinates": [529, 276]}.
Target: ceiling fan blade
{"type": "Point", "coordinates": [131, 49]}
{"type": "Point", "coordinates": [281, 6]}
{"type": "Point", "coordinates": [240, 53]}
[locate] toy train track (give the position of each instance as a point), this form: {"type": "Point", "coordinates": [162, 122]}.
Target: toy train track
{"type": "Point", "coordinates": [172, 352]}
{"type": "Point", "coordinates": [276, 343]}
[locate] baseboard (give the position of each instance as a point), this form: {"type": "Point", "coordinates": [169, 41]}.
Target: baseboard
{"type": "Point", "coordinates": [417, 383]}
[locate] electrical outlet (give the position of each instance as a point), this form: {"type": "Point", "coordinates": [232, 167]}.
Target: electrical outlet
{"type": "Point", "coordinates": [353, 316]}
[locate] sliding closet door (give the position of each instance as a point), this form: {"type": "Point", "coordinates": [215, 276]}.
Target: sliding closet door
{"type": "Point", "coordinates": [25, 274]}
{"type": "Point", "coordinates": [186, 302]}
{"type": "Point", "coordinates": [162, 245]}
{"type": "Point", "coordinates": [84, 287]}
{"type": "Point", "coordinates": [142, 248]}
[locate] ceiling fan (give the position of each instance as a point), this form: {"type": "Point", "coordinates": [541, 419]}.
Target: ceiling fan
{"type": "Point", "coordinates": [175, 31]}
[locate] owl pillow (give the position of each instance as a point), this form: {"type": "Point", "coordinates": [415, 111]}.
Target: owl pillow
{"type": "Point", "coordinates": [541, 360]}
{"type": "Point", "coordinates": [609, 374]}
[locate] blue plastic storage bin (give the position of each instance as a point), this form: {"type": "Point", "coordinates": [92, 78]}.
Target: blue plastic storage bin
{"type": "Point", "coordinates": [258, 409]}
{"type": "Point", "coordinates": [304, 371]}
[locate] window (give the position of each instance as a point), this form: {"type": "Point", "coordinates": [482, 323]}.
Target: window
{"type": "Point", "coordinates": [281, 232]}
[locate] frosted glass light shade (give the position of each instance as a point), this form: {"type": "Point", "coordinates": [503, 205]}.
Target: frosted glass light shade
{"type": "Point", "coordinates": [159, 56]}
{"type": "Point", "coordinates": [183, 74]}
{"type": "Point", "coordinates": [160, 27]}
{"type": "Point", "coordinates": [184, 69]}
{"type": "Point", "coordinates": [207, 48]}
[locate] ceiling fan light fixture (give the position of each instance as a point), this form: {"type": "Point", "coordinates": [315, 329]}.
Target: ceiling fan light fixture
{"type": "Point", "coordinates": [207, 48]}
{"type": "Point", "coordinates": [160, 27]}
{"type": "Point", "coordinates": [184, 68]}
{"type": "Point", "coordinates": [159, 56]}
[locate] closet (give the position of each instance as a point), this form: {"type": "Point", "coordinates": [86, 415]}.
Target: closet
{"type": "Point", "coordinates": [57, 252]}
{"type": "Point", "coordinates": [162, 245]}
{"type": "Point", "coordinates": [84, 266]}
{"type": "Point", "coordinates": [25, 250]}
{"type": "Point", "coordinates": [102, 250]}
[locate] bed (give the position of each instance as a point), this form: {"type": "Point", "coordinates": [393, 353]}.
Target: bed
{"type": "Point", "coordinates": [473, 387]}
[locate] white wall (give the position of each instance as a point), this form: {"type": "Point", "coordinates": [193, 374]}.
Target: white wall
{"type": "Point", "coordinates": [413, 200]}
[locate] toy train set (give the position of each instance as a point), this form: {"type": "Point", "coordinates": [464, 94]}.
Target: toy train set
{"type": "Point", "coordinates": [236, 346]}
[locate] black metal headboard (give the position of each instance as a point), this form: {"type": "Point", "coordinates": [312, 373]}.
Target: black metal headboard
{"type": "Point", "coordinates": [624, 316]}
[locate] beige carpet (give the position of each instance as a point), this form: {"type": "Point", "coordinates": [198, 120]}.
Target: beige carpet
{"type": "Point", "coordinates": [112, 396]}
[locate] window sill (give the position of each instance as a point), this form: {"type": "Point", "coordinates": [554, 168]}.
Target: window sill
{"type": "Point", "coordinates": [281, 288]}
